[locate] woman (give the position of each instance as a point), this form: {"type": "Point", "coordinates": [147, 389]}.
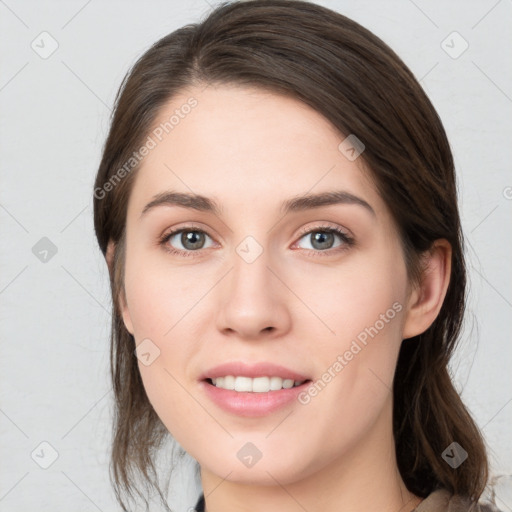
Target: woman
{"type": "Point", "coordinates": [276, 202]}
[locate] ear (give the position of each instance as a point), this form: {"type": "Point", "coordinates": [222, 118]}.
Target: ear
{"type": "Point", "coordinates": [109, 256]}
{"type": "Point", "coordinates": [427, 297]}
{"type": "Point", "coordinates": [123, 306]}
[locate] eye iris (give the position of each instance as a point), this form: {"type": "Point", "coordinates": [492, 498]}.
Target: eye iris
{"type": "Point", "coordinates": [192, 239]}
{"type": "Point", "coordinates": [320, 237]}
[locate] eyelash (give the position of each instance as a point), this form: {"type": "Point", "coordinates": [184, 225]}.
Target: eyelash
{"type": "Point", "coordinates": [348, 241]}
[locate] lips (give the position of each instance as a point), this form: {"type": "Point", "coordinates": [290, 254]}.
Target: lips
{"type": "Point", "coordinates": [252, 404]}
{"type": "Point", "coordinates": [262, 369]}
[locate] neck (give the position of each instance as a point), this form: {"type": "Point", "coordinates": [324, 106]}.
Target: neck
{"type": "Point", "coordinates": [363, 479]}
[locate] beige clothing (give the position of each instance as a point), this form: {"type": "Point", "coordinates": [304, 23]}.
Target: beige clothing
{"type": "Point", "coordinates": [443, 501]}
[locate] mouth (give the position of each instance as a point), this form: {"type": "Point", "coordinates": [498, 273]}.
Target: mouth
{"type": "Point", "coordinates": [253, 397]}
{"type": "Point", "coordinates": [253, 389]}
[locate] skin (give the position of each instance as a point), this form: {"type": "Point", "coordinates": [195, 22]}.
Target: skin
{"type": "Point", "coordinates": [250, 150]}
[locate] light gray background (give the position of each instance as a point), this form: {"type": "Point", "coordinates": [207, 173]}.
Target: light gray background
{"type": "Point", "coordinates": [54, 317]}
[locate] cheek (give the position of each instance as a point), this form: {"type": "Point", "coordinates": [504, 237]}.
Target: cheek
{"type": "Point", "coordinates": [356, 366]}
{"type": "Point", "coordinates": [164, 304]}
{"type": "Point", "coordinates": [363, 306]}
{"type": "Point", "coordinates": [357, 300]}
{"type": "Point", "coordinates": [159, 296]}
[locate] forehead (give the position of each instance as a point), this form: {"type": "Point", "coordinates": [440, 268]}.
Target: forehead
{"type": "Point", "coordinates": [248, 147]}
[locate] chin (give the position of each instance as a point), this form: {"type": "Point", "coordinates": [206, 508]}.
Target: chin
{"type": "Point", "coordinates": [275, 467]}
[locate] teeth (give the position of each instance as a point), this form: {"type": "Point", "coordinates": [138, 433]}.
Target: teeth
{"type": "Point", "coordinates": [256, 385]}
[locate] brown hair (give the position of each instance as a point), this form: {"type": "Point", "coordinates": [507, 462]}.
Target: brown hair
{"type": "Point", "coordinates": [358, 83]}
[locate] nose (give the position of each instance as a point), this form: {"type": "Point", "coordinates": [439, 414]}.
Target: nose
{"type": "Point", "coordinates": [252, 300]}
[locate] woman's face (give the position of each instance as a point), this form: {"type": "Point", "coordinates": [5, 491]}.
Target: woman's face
{"type": "Point", "coordinates": [254, 282]}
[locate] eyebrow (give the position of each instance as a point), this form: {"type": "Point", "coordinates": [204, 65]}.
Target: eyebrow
{"type": "Point", "coordinates": [295, 204]}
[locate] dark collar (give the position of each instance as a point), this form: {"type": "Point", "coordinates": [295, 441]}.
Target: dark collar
{"type": "Point", "coordinates": [200, 504]}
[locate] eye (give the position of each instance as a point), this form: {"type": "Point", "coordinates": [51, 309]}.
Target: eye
{"type": "Point", "coordinates": [190, 238]}
{"type": "Point", "coordinates": [323, 238]}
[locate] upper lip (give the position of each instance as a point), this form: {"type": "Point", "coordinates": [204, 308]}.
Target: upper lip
{"type": "Point", "coordinates": [262, 369]}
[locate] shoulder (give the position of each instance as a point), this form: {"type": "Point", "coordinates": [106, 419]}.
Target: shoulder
{"type": "Point", "coordinates": [444, 501]}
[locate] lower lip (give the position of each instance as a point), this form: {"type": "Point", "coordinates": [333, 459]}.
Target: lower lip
{"type": "Point", "coordinates": [252, 404]}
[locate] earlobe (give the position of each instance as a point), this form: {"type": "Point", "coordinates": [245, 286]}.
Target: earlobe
{"type": "Point", "coordinates": [427, 298]}
{"type": "Point", "coordinates": [121, 297]}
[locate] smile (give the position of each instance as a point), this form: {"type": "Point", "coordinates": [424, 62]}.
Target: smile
{"type": "Point", "coordinates": [254, 385]}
